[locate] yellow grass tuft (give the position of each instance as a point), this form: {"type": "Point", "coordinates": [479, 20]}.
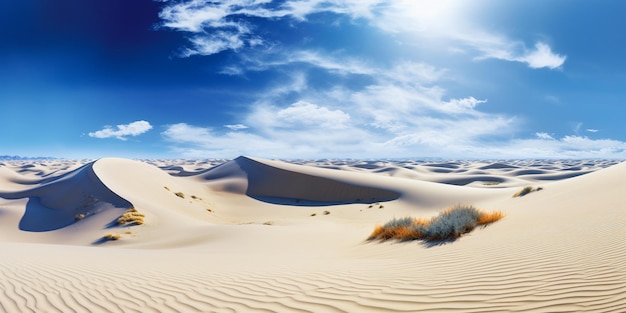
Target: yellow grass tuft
{"type": "Point", "coordinates": [421, 222]}
{"type": "Point", "coordinates": [376, 234]}
{"type": "Point", "coordinates": [488, 218]}
{"type": "Point", "coordinates": [131, 216]}
{"type": "Point", "coordinates": [112, 236]}
{"type": "Point", "coordinates": [526, 190]}
{"type": "Point", "coordinates": [407, 233]}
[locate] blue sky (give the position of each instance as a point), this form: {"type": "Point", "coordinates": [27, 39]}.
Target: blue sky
{"type": "Point", "coordinates": [313, 79]}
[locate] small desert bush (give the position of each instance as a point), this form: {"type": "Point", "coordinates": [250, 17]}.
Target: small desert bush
{"type": "Point", "coordinates": [180, 195]}
{"type": "Point", "coordinates": [112, 236]}
{"type": "Point", "coordinates": [452, 223]}
{"type": "Point", "coordinates": [526, 190]}
{"type": "Point", "coordinates": [131, 216]}
{"type": "Point", "coordinates": [449, 224]}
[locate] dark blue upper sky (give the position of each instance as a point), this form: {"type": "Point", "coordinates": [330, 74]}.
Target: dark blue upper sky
{"type": "Point", "coordinates": [312, 78]}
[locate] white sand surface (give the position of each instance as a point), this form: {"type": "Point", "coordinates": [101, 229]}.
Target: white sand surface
{"type": "Point", "coordinates": [255, 235]}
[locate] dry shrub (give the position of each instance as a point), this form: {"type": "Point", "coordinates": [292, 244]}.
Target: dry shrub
{"type": "Point", "coordinates": [449, 224]}
{"type": "Point", "coordinates": [376, 234]}
{"type": "Point", "coordinates": [131, 216]}
{"type": "Point", "coordinates": [408, 233]}
{"type": "Point", "coordinates": [180, 195]}
{"type": "Point", "coordinates": [112, 236]}
{"type": "Point", "coordinates": [421, 222]}
{"type": "Point", "coordinates": [526, 190]}
{"type": "Point", "coordinates": [488, 218]}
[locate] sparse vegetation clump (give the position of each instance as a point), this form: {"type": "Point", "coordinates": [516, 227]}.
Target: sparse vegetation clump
{"type": "Point", "coordinates": [491, 183]}
{"type": "Point", "coordinates": [112, 236]}
{"type": "Point", "coordinates": [131, 216]}
{"type": "Point", "coordinates": [448, 225]}
{"type": "Point", "coordinates": [526, 190]}
{"type": "Point", "coordinates": [180, 195]}
{"type": "Point", "coordinates": [79, 217]}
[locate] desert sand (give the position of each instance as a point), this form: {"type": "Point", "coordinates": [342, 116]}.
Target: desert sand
{"type": "Point", "coordinates": [256, 235]}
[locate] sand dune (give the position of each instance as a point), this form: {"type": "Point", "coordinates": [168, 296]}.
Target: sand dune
{"type": "Point", "coordinates": [255, 235]}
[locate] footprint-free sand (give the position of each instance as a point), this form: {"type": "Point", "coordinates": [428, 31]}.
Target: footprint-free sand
{"type": "Point", "coordinates": [256, 235]}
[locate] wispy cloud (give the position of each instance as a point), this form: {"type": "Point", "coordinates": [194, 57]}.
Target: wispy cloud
{"type": "Point", "coordinates": [224, 25]}
{"type": "Point", "coordinates": [544, 136]}
{"type": "Point", "coordinates": [216, 26]}
{"type": "Point", "coordinates": [401, 111]}
{"type": "Point", "coordinates": [571, 146]}
{"type": "Point", "coordinates": [122, 131]}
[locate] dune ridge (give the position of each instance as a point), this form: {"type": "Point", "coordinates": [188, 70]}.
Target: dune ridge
{"type": "Point", "coordinates": [241, 236]}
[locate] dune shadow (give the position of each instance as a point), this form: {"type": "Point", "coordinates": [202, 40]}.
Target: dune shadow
{"type": "Point", "coordinates": [436, 243]}
{"type": "Point", "coordinates": [100, 241]}
{"type": "Point", "coordinates": [39, 218]}
{"type": "Point", "coordinates": [113, 223]}
{"type": "Point", "coordinates": [423, 243]}
{"type": "Point", "coordinates": [279, 186]}
{"type": "Point", "coordinates": [310, 203]}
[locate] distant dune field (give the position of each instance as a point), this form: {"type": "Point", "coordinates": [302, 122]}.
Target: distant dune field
{"type": "Point", "coordinates": [256, 235]}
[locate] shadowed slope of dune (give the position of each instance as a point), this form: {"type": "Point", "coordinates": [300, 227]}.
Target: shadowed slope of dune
{"type": "Point", "coordinates": [273, 184]}
{"type": "Point", "coordinates": [57, 202]}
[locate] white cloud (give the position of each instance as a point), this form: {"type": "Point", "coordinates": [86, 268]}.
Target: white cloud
{"type": "Point", "coordinates": [214, 43]}
{"type": "Point", "coordinates": [544, 136]}
{"type": "Point", "coordinates": [236, 127]}
{"type": "Point", "coordinates": [184, 133]}
{"type": "Point", "coordinates": [543, 56]}
{"type": "Point", "coordinates": [591, 130]}
{"type": "Point", "coordinates": [465, 105]}
{"type": "Point", "coordinates": [202, 142]}
{"type": "Point", "coordinates": [122, 131]}
{"type": "Point", "coordinates": [307, 114]}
